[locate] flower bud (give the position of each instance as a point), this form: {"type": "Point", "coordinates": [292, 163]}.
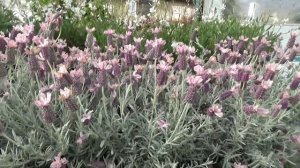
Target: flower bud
{"type": "Point", "coordinates": [295, 82]}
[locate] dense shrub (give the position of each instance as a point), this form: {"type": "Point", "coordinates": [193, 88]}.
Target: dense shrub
{"type": "Point", "coordinates": [7, 19]}
{"type": "Point", "coordinates": [95, 14]}
{"type": "Point", "coordinates": [132, 104]}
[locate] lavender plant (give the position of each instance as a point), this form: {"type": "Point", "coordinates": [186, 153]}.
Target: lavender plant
{"type": "Point", "coordinates": [127, 106]}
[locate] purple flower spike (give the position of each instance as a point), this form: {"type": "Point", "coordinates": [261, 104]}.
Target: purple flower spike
{"type": "Point", "coordinates": [109, 33]}
{"type": "Point", "coordinates": [162, 124]}
{"type": "Point", "coordinates": [162, 76]}
{"type": "Point", "coordinates": [116, 68]}
{"type": "Point", "coordinates": [241, 43]}
{"type": "Point", "coordinates": [128, 54]}
{"type": "Point", "coordinates": [127, 39]}
{"type": "Point", "coordinates": [226, 94]}
{"type": "Point", "coordinates": [250, 109]}
{"type": "Point", "coordinates": [59, 162]}
{"type": "Point", "coordinates": [158, 45]}
{"type": "Point", "coordinates": [194, 82]}
{"type": "Point", "coordinates": [292, 40]}
{"type": "Point", "coordinates": [262, 46]}
{"type": "Point", "coordinates": [82, 138]}
{"type": "Point", "coordinates": [262, 88]}
{"type": "Point", "coordinates": [138, 43]}
{"type": "Point", "coordinates": [296, 81]}
{"type": "Point", "coordinates": [245, 76]}
{"type": "Point", "coordinates": [215, 110]}
{"type": "Point", "coordinates": [43, 102]}
{"type": "Point", "coordinates": [66, 97]}
{"type": "Point", "coordinates": [224, 55]}
{"type": "Point", "coordinates": [182, 51]}
{"type": "Point", "coordinates": [294, 100]}
{"type": "Point", "coordinates": [271, 70]}
{"type": "Point", "coordinates": [3, 43]}
{"type": "Point", "coordinates": [156, 32]}
{"type": "Point", "coordinates": [102, 67]}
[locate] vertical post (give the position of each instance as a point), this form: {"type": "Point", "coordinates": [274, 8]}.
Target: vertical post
{"type": "Point", "coordinates": [199, 7]}
{"type": "Point", "coordinates": [251, 11]}
{"type": "Point", "coordinates": [145, 6]}
{"type": "Point", "coordinates": [132, 7]}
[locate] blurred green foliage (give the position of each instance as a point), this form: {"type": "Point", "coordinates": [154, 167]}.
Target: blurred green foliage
{"type": "Point", "coordinates": [7, 19]}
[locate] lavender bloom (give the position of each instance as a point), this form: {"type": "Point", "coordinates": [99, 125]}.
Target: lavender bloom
{"type": "Point", "coordinates": [239, 165]}
{"type": "Point", "coordinates": [295, 139]}
{"type": "Point", "coordinates": [116, 69]}
{"type": "Point", "coordinates": [97, 52]}
{"type": "Point", "coordinates": [284, 99]}
{"type": "Point", "coordinates": [22, 40]}
{"type": "Point", "coordinates": [162, 76]}
{"type": "Point", "coordinates": [102, 67]}
{"type": "Point", "coordinates": [59, 162]}
{"type": "Point", "coordinates": [82, 138]}
{"type": "Point", "coordinates": [156, 32]}
{"type": "Point", "coordinates": [77, 76]}
{"type": "Point", "coordinates": [229, 41]}
{"type": "Point", "coordinates": [224, 55]}
{"type": "Point", "coordinates": [109, 33]}
{"type": "Point", "coordinates": [241, 43]}
{"type": "Point", "coordinates": [261, 47]}
{"type": "Point", "coordinates": [3, 43]}
{"type": "Point", "coordinates": [276, 110]}
{"type": "Point", "coordinates": [11, 51]}
{"type": "Point", "coordinates": [292, 40]}
{"type": "Point", "coordinates": [292, 53]}
{"type": "Point", "coordinates": [136, 76]}
{"type": "Point", "coordinates": [271, 70]}
{"type": "Point", "coordinates": [33, 62]}
{"type": "Point", "coordinates": [229, 93]}
{"type": "Point", "coordinates": [86, 118]}
{"type": "Point", "coordinates": [138, 43]}
{"type": "Point", "coordinates": [250, 109]}
{"type": "Point", "coordinates": [262, 88]}
{"type": "Point", "coordinates": [43, 102]}
{"type": "Point", "coordinates": [246, 73]}
{"type": "Point", "coordinates": [192, 61]}
{"type": "Point", "coordinates": [233, 57]}
{"type": "Point", "coordinates": [48, 116]}
{"type": "Point", "coordinates": [163, 124]}
{"type": "Point", "coordinates": [158, 45]}
{"type": "Point", "coordinates": [110, 52]}
{"type": "Point", "coordinates": [15, 31]}
{"type": "Point", "coordinates": [66, 97]}
{"type": "Point", "coordinates": [215, 110]}
{"type": "Point", "coordinates": [295, 82]}
{"type": "Point", "coordinates": [194, 82]}
{"type": "Point", "coordinates": [128, 54]}
{"type": "Point", "coordinates": [226, 94]}
{"type": "Point", "coordinates": [120, 39]}
{"type": "Point", "coordinates": [29, 31]}
{"type": "Point", "coordinates": [182, 51]}
{"type": "Point", "coordinates": [263, 112]}
{"type": "Point", "coordinates": [127, 39]}
{"type": "Point", "coordinates": [294, 100]}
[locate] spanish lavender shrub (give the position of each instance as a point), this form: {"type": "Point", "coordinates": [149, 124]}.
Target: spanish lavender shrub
{"type": "Point", "coordinates": [129, 108]}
